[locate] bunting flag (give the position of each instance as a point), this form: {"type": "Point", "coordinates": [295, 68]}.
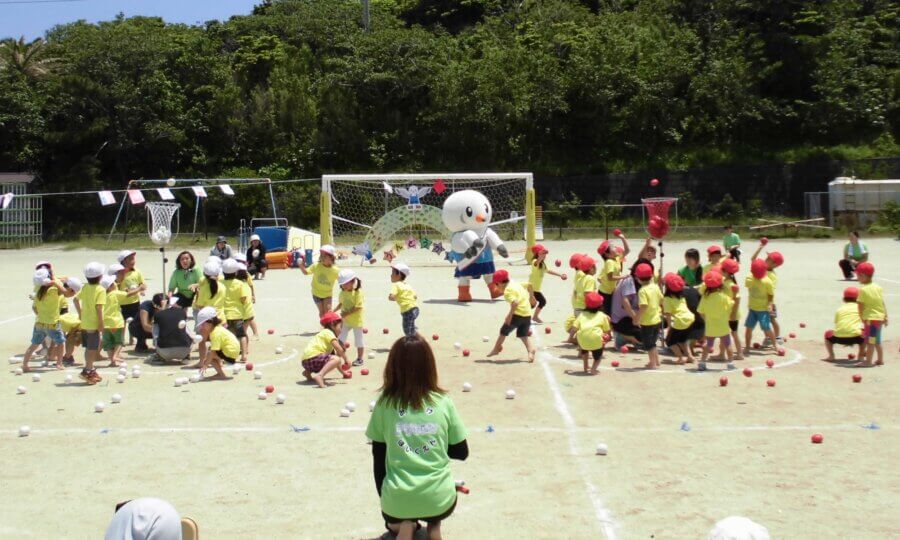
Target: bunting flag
{"type": "Point", "coordinates": [199, 191]}
{"type": "Point", "coordinates": [425, 243]}
{"type": "Point", "coordinates": [387, 187]}
{"type": "Point", "coordinates": [106, 197]}
{"type": "Point", "coordinates": [411, 242]}
{"type": "Point", "coordinates": [135, 196]}
{"type": "Point", "coordinates": [398, 246]}
{"type": "Point", "coordinates": [226, 189]}
{"type": "Point", "coordinates": [5, 200]}
{"type": "Point", "coordinates": [439, 186]}
{"type": "Point", "coordinates": [165, 193]}
{"type": "Point", "coordinates": [437, 247]}
{"type": "Point", "coordinates": [389, 255]}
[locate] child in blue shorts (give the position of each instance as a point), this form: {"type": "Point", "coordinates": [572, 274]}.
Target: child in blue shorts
{"type": "Point", "coordinates": [761, 293]}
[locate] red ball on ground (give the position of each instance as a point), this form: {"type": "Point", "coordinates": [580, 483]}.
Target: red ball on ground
{"type": "Point", "coordinates": [757, 346]}
{"type": "Point", "coordinates": [345, 367]}
{"type": "Point", "coordinates": [780, 351]}
{"type": "Point", "coordinates": [466, 352]}
{"type": "Point", "coordinates": [434, 337]}
{"type": "Point", "coordinates": [723, 381]}
{"type": "Point", "coordinates": [770, 363]}
{"type": "Point", "coordinates": [851, 356]}
{"type": "Point", "coordinates": [654, 182]}
{"type": "Point", "coordinates": [748, 372]}
{"type": "Point", "coordinates": [623, 349]}
{"type": "Point", "coordinates": [617, 232]}
{"type": "Point", "coordinates": [817, 438]}
{"type": "Point", "coordinates": [803, 325]}
{"type": "Point", "coordinates": [271, 331]}
{"type": "Point", "coordinates": [770, 382]}
{"type": "Point", "coordinates": [385, 331]}
{"type": "Point", "coordinates": [615, 363]}
{"type": "Point", "coordinates": [558, 263]}
{"type": "Point", "coordinates": [270, 389]}
{"type": "Point", "coordinates": [763, 240]}
{"type": "Point", "coordinates": [547, 330]}
{"type": "Point", "coordinates": [364, 371]}
{"type": "Point", "coordinates": [857, 378]}
{"type": "Point", "coordinates": [792, 335]}
{"type": "Point", "coordinates": [248, 366]}
{"type": "Point", "coordinates": [347, 374]}
{"type": "Point", "coordinates": [365, 330]}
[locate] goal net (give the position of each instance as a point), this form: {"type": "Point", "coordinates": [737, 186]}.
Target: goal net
{"type": "Point", "coordinates": [401, 213]}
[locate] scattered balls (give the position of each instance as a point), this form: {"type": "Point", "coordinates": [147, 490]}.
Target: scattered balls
{"type": "Point", "coordinates": [792, 335]}
{"type": "Point", "coordinates": [248, 366]}
{"type": "Point", "coordinates": [817, 438]}
{"type": "Point", "coordinates": [14, 360]}
{"type": "Point", "coordinates": [654, 182]}
{"type": "Point", "coordinates": [770, 382]}
{"type": "Point", "coordinates": [371, 355]}
{"type": "Point", "coordinates": [803, 325]}
{"type": "Point", "coordinates": [270, 389]}
{"type": "Point", "coordinates": [467, 387]}
{"type": "Point", "coordinates": [723, 381]}
{"type": "Point", "coordinates": [123, 371]}
{"type": "Point", "coordinates": [19, 371]}
{"type": "Point", "coordinates": [623, 349]}
{"type": "Point", "coordinates": [270, 331]}
{"type": "Point", "coordinates": [21, 390]}
{"type": "Point", "coordinates": [236, 370]}
{"type": "Point", "coordinates": [385, 331]}
{"type": "Point", "coordinates": [257, 374]}
{"type": "Point", "coordinates": [68, 379]}
{"type": "Point", "coordinates": [196, 378]}
{"type": "Point", "coordinates": [466, 352]}
{"type": "Point", "coordinates": [748, 372]}
{"type": "Point", "coordinates": [602, 449]}
{"type": "Point", "coordinates": [345, 367]}
{"type": "Point", "coordinates": [345, 413]}
{"type": "Point", "coordinates": [116, 398]}
{"type": "Point", "coordinates": [24, 431]}
{"type": "Point", "coordinates": [457, 345]}
{"type": "Point", "coordinates": [757, 345]}
{"type": "Point", "coordinates": [558, 263]}
{"type": "Point", "coordinates": [364, 371]}
{"type": "Point", "coordinates": [780, 351]}
{"type": "Point", "coordinates": [547, 330]}
{"type": "Point", "coordinates": [510, 394]}
{"type": "Point", "coordinates": [435, 337]}
{"type": "Point", "coordinates": [36, 377]}
{"type": "Point", "coordinates": [350, 406]}
{"type": "Point", "coordinates": [851, 356]}
{"type": "Point", "coordinates": [182, 324]}
{"type": "Point", "coordinates": [99, 406]}
{"type": "Point", "coordinates": [617, 232]}
{"type": "Point", "coordinates": [615, 363]}
{"type": "Point", "coordinates": [770, 363]}
{"type": "Point", "coordinates": [857, 378]}
{"type": "Point", "coordinates": [279, 349]}
{"type": "Point", "coordinates": [120, 378]}
{"type": "Point", "coordinates": [347, 374]}
{"type": "Point", "coordinates": [279, 399]}
{"type": "Point", "coordinates": [136, 374]}
{"type": "Point", "coordinates": [365, 330]}
{"type": "Point", "coordinates": [177, 382]}
{"type": "Point", "coordinates": [485, 338]}
{"type": "Point", "coordinates": [263, 395]}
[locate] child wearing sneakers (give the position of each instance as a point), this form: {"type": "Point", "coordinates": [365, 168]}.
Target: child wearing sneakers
{"type": "Point", "coordinates": [679, 319]}
{"type": "Point", "coordinates": [223, 345]}
{"type": "Point", "coordinates": [519, 316]}
{"type": "Point", "coordinates": [113, 319]}
{"type": "Point", "coordinates": [405, 297]}
{"type": "Point", "coordinates": [848, 326]}
{"type": "Point", "coordinates": [649, 314]}
{"type": "Point", "coordinates": [729, 269]}
{"type": "Point", "coordinates": [318, 359]}
{"type": "Point", "coordinates": [773, 259]}
{"type": "Point", "coordinates": [592, 330]}
{"type": "Point", "coordinates": [872, 311]}
{"type": "Point", "coordinates": [611, 270]}
{"type": "Point", "coordinates": [715, 308]}
{"type": "Point", "coordinates": [587, 269]}
{"type": "Point", "coordinates": [351, 301]}
{"type": "Point", "coordinates": [536, 279]}
{"type": "Point", "coordinates": [46, 306]}
{"type": "Point", "coordinates": [91, 299]}
{"type": "Point", "coordinates": [761, 293]}
{"type": "Point", "coordinates": [324, 274]}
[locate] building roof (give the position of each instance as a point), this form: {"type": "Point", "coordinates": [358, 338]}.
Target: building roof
{"type": "Point", "coordinates": [16, 178]}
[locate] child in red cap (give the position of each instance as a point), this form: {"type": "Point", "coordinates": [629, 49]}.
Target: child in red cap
{"type": "Point", "coordinates": [519, 316]}
{"type": "Point", "coordinates": [587, 268]}
{"type": "Point", "coordinates": [611, 269]}
{"type": "Point", "coordinates": [715, 308]}
{"type": "Point", "coordinates": [729, 268]}
{"type": "Point", "coordinates": [649, 314]}
{"type": "Point", "coordinates": [761, 295]}
{"type": "Point", "coordinates": [714, 254]}
{"type": "Point", "coordinates": [679, 319]}
{"type": "Point", "coordinates": [873, 312]}
{"type": "Point", "coordinates": [591, 331]}
{"type": "Point", "coordinates": [324, 352]}
{"type": "Point", "coordinates": [773, 259]}
{"type": "Point", "coordinates": [848, 326]}
{"type": "Point", "coordinates": [536, 280]}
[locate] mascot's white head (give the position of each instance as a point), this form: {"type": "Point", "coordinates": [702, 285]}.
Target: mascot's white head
{"type": "Point", "coordinates": [465, 210]}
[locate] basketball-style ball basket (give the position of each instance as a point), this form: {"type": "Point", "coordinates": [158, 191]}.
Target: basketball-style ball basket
{"type": "Point", "coordinates": [658, 221]}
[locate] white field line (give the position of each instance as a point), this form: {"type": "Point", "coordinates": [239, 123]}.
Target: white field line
{"type": "Point", "coordinates": [889, 280]}
{"type": "Point", "coordinates": [112, 371]}
{"type": "Point", "coordinates": [19, 318]}
{"type": "Point", "coordinates": [798, 357]}
{"type": "Point", "coordinates": [600, 510]}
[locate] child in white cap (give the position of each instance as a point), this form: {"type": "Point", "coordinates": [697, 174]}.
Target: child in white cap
{"type": "Point", "coordinates": [48, 291]}
{"type": "Point", "coordinates": [223, 345]}
{"type": "Point", "coordinates": [405, 297]}
{"type": "Point", "coordinates": [113, 322]}
{"type": "Point", "coordinates": [132, 279]}
{"type": "Point", "coordinates": [91, 299]}
{"type": "Point", "coordinates": [324, 274]}
{"type": "Point", "coordinates": [351, 300]}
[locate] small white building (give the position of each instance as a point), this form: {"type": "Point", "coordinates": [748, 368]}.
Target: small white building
{"type": "Point", "coordinates": [860, 200]}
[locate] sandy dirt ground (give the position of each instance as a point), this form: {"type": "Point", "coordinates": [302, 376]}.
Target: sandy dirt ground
{"type": "Point", "coordinates": [683, 452]}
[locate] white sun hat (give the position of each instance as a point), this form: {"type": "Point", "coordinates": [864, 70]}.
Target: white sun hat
{"type": "Point", "coordinates": [74, 283]}
{"type": "Point", "coordinates": [212, 268]}
{"type": "Point", "coordinates": [107, 281]}
{"type": "Point", "coordinates": [254, 237]}
{"type": "Point", "coordinates": [125, 253]}
{"type": "Point", "coordinates": [230, 266]}
{"type": "Point", "coordinates": [114, 269]}
{"type": "Point", "coordinates": [402, 268]}
{"type": "Point", "coordinates": [345, 276]}
{"type": "Point", "coordinates": [94, 270]}
{"type": "Point", "coordinates": [738, 528]}
{"type": "Point", "coordinates": [327, 248]}
{"type": "Point", "coordinates": [205, 314]}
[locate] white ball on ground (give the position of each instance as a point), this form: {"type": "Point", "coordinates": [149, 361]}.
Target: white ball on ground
{"type": "Point", "coordinates": [371, 406]}
{"type": "Point", "coordinates": [279, 399]}
{"type": "Point", "coordinates": [371, 356]}
{"type": "Point", "coordinates": [263, 395]}
{"type": "Point", "coordinates": [236, 370]}
{"type": "Point", "coordinates": [24, 431]}
{"type": "Point", "coordinates": [345, 413]}
{"type": "Point", "coordinates": [136, 374]}
{"type": "Point", "coordinates": [120, 378]}
{"type": "Point", "coordinates": [99, 406]}
{"type": "Point", "coordinates": [485, 338]}
{"type": "Point", "coordinates": [457, 345]}
{"type": "Point", "coordinates": [279, 349]}
{"type": "Point", "coordinates": [197, 338]}
{"type": "Point", "coordinates": [124, 364]}
{"type": "Point", "coordinates": [467, 387]}
{"type": "Point", "coordinates": [601, 449]}
{"type": "Point", "coordinates": [510, 394]}
{"type": "Point", "coordinates": [182, 324]}
{"type": "Point", "coordinates": [116, 398]}
{"type": "Point", "coordinates": [123, 371]}
{"type": "Point", "coordinates": [36, 377]}
{"type": "Point", "coordinates": [350, 406]}
{"type": "Point", "coordinates": [68, 379]}
{"type": "Point", "coordinates": [45, 363]}
{"type": "Point", "coordinates": [19, 371]}
{"type": "Point", "coordinates": [21, 390]}
{"type": "Point", "coordinates": [257, 374]}
{"type": "Point", "coordinates": [195, 378]}
{"type": "Point", "coordinates": [177, 382]}
{"type": "Point", "coordinates": [15, 360]}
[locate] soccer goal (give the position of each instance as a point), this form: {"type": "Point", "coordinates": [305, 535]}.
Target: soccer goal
{"type": "Point", "coordinates": [366, 215]}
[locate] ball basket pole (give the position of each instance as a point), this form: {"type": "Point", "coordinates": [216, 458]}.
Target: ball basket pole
{"type": "Point", "coordinates": [658, 222]}
{"type": "Point", "coordinates": [159, 228]}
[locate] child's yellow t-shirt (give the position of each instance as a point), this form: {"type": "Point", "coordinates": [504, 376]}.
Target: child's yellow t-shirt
{"type": "Point", "coordinates": [69, 322]}
{"type": "Point", "coordinates": [319, 344]}
{"type": "Point", "coordinates": [237, 296]}
{"type": "Point", "coordinates": [48, 307]}
{"type": "Point", "coordinates": [323, 279]}
{"type": "Point", "coordinates": [871, 297]}
{"type": "Point", "coordinates": [90, 296]}
{"type": "Point", "coordinates": [205, 298]}
{"type": "Point", "coordinates": [682, 318]}
{"type": "Point", "coordinates": [132, 279]}
{"type": "Point", "coordinates": [847, 322]}
{"type": "Point", "coordinates": [222, 340]}
{"type": "Point", "coordinates": [577, 291]}
{"type": "Point", "coordinates": [589, 330]}
{"type": "Point", "coordinates": [350, 300]}
{"type": "Point", "coordinates": [536, 278]}
{"type": "Point", "coordinates": [589, 283]}
{"type": "Point", "coordinates": [759, 291]}
{"type": "Point", "coordinates": [249, 309]}
{"type": "Point", "coordinates": [405, 296]}
{"type": "Point", "coordinates": [112, 311]}
{"type": "Point", "coordinates": [610, 266]}
{"type": "Point", "coordinates": [716, 310]}
{"type": "Point", "coordinates": [515, 292]}
{"type": "Point", "coordinates": [650, 296]}
{"type": "Point", "coordinates": [773, 277]}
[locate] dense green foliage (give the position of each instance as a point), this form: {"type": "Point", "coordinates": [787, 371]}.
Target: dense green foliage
{"type": "Point", "coordinates": [557, 86]}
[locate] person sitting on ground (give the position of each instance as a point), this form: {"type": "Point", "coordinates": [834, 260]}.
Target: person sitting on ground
{"type": "Point", "coordinates": [221, 250]}
{"type": "Point", "coordinates": [146, 518]}
{"type": "Point", "coordinates": [256, 258]}
{"type": "Point", "coordinates": [415, 431]}
{"type": "Point", "coordinates": [170, 337]}
{"type": "Point", "coordinates": [142, 327]}
{"type": "Point", "coordinates": [855, 252]}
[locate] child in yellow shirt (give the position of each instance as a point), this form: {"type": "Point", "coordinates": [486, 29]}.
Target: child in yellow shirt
{"type": "Point", "coordinates": [237, 297]}
{"type": "Point", "coordinates": [761, 293]}
{"type": "Point", "coordinates": [679, 319]}
{"type": "Point", "coordinates": [113, 318]}
{"type": "Point", "coordinates": [223, 345]}
{"type": "Point", "coordinates": [649, 315]}
{"type": "Point", "coordinates": [873, 313]}
{"type": "Point", "coordinates": [729, 268]}
{"type": "Point", "coordinates": [47, 324]}
{"type": "Point", "coordinates": [324, 275]}
{"type": "Point", "coordinates": [586, 281]}
{"type": "Point", "coordinates": [249, 309]}
{"type": "Point", "coordinates": [848, 326]}
{"type": "Point", "coordinates": [715, 308]}
{"type": "Point", "coordinates": [519, 316]}
{"type": "Point", "coordinates": [536, 280]}
{"type": "Point", "coordinates": [405, 297]}
{"type": "Point", "coordinates": [351, 301]}
{"type": "Point", "coordinates": [318, 359]}
{"type": "Point", "coordinates": [592, 330]}
{"type": "Point", "coordinates": [611, 270]}
{"type": "Point", "coordinates": [773, 260]}
{"type": "Point", "coordinates": [90, 301]}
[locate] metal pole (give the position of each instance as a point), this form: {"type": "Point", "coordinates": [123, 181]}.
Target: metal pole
{"type": "Point", "coordinates": [116, 222]}
{"type": "Point", "coordinates": [196, 213]}
{"type": "Point", "coordinates": [162, 250]}
{"type": "Point", "coordinates": [272, 198]}
{"type": "Point", "coordinates": [365, 15]}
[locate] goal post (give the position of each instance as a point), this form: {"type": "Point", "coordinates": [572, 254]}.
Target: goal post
{"type": "Point", "coordinates": [402, 212]}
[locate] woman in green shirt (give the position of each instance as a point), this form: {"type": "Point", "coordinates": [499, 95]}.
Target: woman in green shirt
{"type": "Point", "coordinates": [855, 252]}
{"type": "Point", "coordinates": [415, 431]}
{"type": "Point", "coordinates": [185, 275]}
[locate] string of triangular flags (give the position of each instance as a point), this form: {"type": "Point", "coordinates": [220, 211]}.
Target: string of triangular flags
{"type": "Point", "coordinates": [136, 196]}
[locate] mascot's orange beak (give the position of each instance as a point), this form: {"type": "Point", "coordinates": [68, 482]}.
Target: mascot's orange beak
{"type": "Point", "coordinates": [479, 218]}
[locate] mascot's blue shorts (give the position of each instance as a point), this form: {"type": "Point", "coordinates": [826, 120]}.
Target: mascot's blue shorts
{"type": "Point", "coordinates": [475, 270]}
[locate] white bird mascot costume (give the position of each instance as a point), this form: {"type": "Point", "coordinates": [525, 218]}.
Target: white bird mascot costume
{"type": "Point", "coordinates": [468, 215]}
